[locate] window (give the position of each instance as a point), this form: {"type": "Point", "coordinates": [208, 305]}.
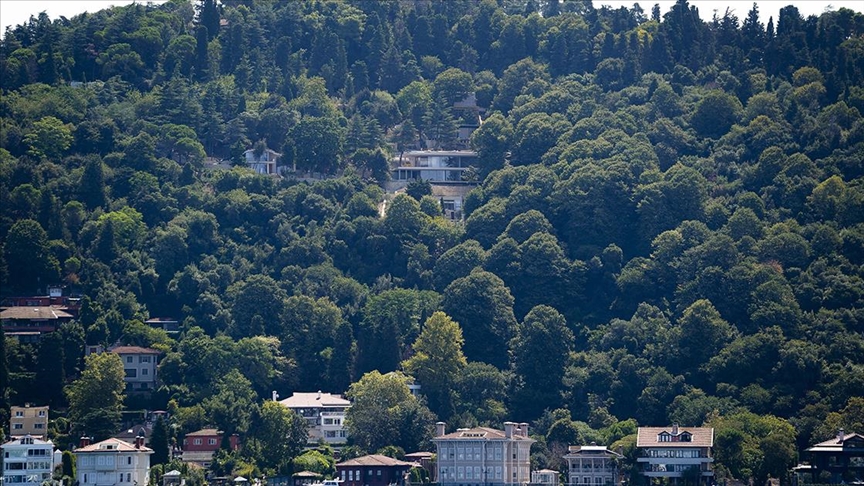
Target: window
{"type": "Point", "coordinates": [211, 441]}
{"type": "Point", "coordinates": [145, 372]}
{"type": "Point", "coordinates": [85, 478]}
{"type": "Point", "coordinates": [128, 359]}
{"type": "Point", "coordinates": [18, 426]}
{"type": "Point", "coordinates": [38, 426]}
{"type": "Point", "coordinates": [379, 473]}
{"type": "Point", "coordinates": [128, 477]}
{"type": "Point", "coordinates": [19, 413]}
{"type": "Point", "coordinates": [41, 413]}
{"type": "Point", "coordinates": [342, 475]}
{"type": "Point", "coordinates": [129, 460]}
{"type": "Point", "coordinates": [196, 441]}
{"type": "Point", "coordinates": [144, 359]}
{"type": "Point", "coordinates": [131, 373]}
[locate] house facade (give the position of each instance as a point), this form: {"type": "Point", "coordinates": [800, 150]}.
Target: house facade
{"type": "Point", "coordinates": [435, 166]}
{"type": "Point", "coordinates": [28, 323]}
{"type": "Point", "coordinates": [480, 455]}
{"type": "Point", "coordinates": [675, 452]}
{"type": "Point", "coordinates": [28, 420]}
{"type": "Point", "coordinates": [324, 413]}
{"type": "Point", "coordinates": [27, 461]}
{"type": "Point", "coordinates": [263, 163]}
{"type": "Point", "coordinates": [837, 460]}
{"type": "Point", "coordinates": [199, 446]}
{"type": "Point", "coordinates": [112, 462]}
{"type": "Point", "coordinates": [373, 470]}
{"type": "Point", "coordinates": [592, 465]}
{"type": "Point", "coordinates": [139, 365]}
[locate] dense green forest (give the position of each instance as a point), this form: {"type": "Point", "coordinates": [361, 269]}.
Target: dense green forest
{"type": "Point", "coordinates": [670, 226]}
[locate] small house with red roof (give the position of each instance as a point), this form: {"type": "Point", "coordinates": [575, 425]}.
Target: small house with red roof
{"type": "Point", "coordinates": [199, 446]}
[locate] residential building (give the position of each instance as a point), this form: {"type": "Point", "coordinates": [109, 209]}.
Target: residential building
{"type": "Point", "coordinates": [435, 166]}
{"type": "Point", "coordinates": [834, 461]}
{"type": "Point", "coordinates": [112, 462]}
{"type": "Point", "coordinates": [140, 367]}
{"type": "Point", "coordinates": [675, 452]}
{"type": "Point", "coordinates": [262, 163]}
{"type": "Point", "coordinates": [426, 461]}
{"type": "Point", "coordinates": [167, 324]}
{"type": "Point", "coordinates": [27, 420]}
{"type": "Point", "coordinates": [27, 461]}
{"type": "Point", "coordinates": [592, 464]}
{"type": "Point", "coordinates": [373, 470]}
{"type": "Point", "coordinates": [28, 323]}
{"type": "Point", "coordinates": [324, 413]}
{"type": "Point", "coordinates": [199, 446]}
{"type": "Point", "coordinates": [544, 477]}
{"type": "Point", "coordinates": [483, 455]}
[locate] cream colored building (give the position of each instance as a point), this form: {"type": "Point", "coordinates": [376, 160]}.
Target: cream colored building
{"type": "Point", "coordinates": [28, 420]}
{"type": "Point", "coordinates": [113, 462]}
{"type": "Point", "coordinates": [484, 456]}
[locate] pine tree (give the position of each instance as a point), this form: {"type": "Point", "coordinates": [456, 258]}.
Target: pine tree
{"type": "Point", "coordinates": [159, 443]}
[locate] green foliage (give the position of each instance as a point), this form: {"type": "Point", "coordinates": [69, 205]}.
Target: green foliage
{"type": "Point", "coordinates": [96, 398]}
{"type": "Point", "coordinates": [437, 361]}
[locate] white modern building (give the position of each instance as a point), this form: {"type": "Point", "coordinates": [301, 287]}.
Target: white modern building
{"type": "Point", "coordinates": [27, 461]}
{"type": "Point", "coordinates": [435, 166]}
{"type": "Point", "coordinates": [324, 413]}
{"type": "Point", "coordinates": [263, 163]}
{"type": "Point", "coordinates": [672, 452]}
{"type": "Point", "coordinates": [592, 464]}
{"type": "Point", "coordinates": [483, 456]}
{"type": "Point", "coordinates": [113, 462]}
{"type": "Point", "coordinates": [140, 367]}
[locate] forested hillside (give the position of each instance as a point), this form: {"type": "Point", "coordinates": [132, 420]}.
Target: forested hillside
{"type": "Point", "coordinates": [670, 226]}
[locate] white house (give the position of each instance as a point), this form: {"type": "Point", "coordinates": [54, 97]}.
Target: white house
{"type": "Point", "coordinates": [263, 163]}
{"type": "Point", "coordinates": [592, 464]}
{"type": "Point", "coordinates": [435, 166]}
{"type": "Point", "coordinates": [482, 455]}
{"type": "Point", "coordinates": [140, 367]}
{"type": "Point", "coordinates": [27, 461]}
{"type": "Point", "coordinates": [113, 462]}
{"type": "Point", "coordinates": [325, 414]}
{"type": "Point", "coordinates": [672, 452]}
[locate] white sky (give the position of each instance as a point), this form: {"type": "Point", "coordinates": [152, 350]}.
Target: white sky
{"type": "Point", "coordinates": [14, 12]}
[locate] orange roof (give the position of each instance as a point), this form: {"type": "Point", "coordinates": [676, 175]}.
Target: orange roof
{"type": "Point", "coordinates": [700, 437]}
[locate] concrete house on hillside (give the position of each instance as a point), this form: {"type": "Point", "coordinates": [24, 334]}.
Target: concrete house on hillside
{"type": "Point", "coordinates": [199, 446]}
{"type": "Point", "coordinates": [28, 323]}
{"type": "Point", "coordinates": [482, 455]}
{"type": "Point", "coordinates": [837, 460]}
{"type": "Point", "coordinates": [324, 413]}
{"type": "Point", "coordinates": [27, 461]}
{"type": "Point", "coordinates": [262, 163]}
{"type": "Point", "coordinates": [592, 464]}
{"type": "Point", "coordinates": [27, 420]}
{"type": "Point", "coordinates": [113, 462]}
{"type": "Point", "coordinates": [675, 452]}
{"type": "Point", "coordinates": [140, 367]}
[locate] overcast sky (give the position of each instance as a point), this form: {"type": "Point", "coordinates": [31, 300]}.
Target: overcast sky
{"type": "Point", "coordinates": [14, 12]}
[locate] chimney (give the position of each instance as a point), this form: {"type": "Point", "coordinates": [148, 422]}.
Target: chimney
{"type": "Point", "coordinates": [139, 441]}
{"type": "Point", "coordinates": [674, 429]}
{"type": "Point", "coordinates": [840, 436]}
{"type": "Point", "coordinates": [275, 396]}
{"type": "Point", "coordinates": [319, 395]}
{"type": "Point", "coordinates": [440, 429]}
{"type": "Point", "coordinates": [508, 429]}
{"type": "Point", "coordinates": [524, 427]}
{"type": "Point", "coordinates": [84, 441]}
